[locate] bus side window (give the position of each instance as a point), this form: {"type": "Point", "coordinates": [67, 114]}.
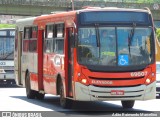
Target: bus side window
{"type": "Point", "coordinates": [26, 39]}
{"type": "Point", "coordinates": [26, 33]}
{"type": "Point", "coordinates": [53, 45]}
{"type": "Point", "coordinates": [59, 38]}
{"type": "Point", "coordinates": [34, 32]}
{"type": "Point", "coordinates": [59, 46]}
{"type": "Point", "coordinates": [47, 46]}
{"type": "Point", "coordinates": [49, 31]}
{"type": "Point", "coordinates": [33, 40]}
{"type": "Point", "coordinates": [49, 34]}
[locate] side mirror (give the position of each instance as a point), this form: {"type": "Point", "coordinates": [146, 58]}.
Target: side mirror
{"type": "Point", "coordinates": [155, 29]}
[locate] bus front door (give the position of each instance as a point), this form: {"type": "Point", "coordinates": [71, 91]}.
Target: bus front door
{"type": "Point", "coordinates": [70, 68]}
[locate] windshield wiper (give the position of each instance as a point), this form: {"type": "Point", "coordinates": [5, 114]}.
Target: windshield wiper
{"type": "Point", "coordinates": [130, 37]}
{"type": "Point", "coordinates": [97, 37]}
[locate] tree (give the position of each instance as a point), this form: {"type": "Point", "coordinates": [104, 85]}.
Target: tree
{"type": "Point", "coordinates": [158, 34]}
{"type": "Point", "coordinates": [145, 1]}
{"type": "Point", "coordinates": [134, 1]}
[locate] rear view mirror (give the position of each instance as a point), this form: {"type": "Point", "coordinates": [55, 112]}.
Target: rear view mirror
{"type": "Point", "coordinates": [155, 29]}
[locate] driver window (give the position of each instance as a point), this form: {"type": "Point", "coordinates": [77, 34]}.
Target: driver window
{"type": "Point", "coordinates": [87, 36]}
{"type": "Point", "coordinates": [87, 42]}
{"type": "Point", "coordinates": [84, 37]}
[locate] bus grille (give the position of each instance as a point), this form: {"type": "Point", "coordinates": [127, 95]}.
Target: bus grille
{"type": "Point", "coordinates": [95, 78]}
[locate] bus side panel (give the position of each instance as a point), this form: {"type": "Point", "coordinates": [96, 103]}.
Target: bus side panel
{"type": "Point", "coordinates": [34, 81]}
{"type": "Point", "coordinates": [34, 46]}
{"type": "Point", "coordinates": [46, 78]}
{"type": "Point", "coordinates": [49, 73]}
{"type": "Point", "coordinates": [32, 64]}
{"type": "Point", "coordinates": [52, 72]}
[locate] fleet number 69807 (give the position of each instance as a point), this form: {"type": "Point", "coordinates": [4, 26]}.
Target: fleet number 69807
{"type": "Point", "coordinates": [138, 74]}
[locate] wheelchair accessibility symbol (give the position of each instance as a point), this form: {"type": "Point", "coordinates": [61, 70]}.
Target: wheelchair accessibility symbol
{"type": "Point", "coordinates": [123, 60]}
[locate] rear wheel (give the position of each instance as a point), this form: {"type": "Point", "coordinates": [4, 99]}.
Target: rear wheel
{"type": "Point", "coordinates": [128, 103]}
{"type": "Point", "coordinates": [64, 102]}
{"type": "Point", "coordinates": [31, 94]}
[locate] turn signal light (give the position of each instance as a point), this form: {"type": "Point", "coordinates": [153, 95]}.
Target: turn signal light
{"type": "Point", "coordinates": [84, 81]}
{"type": "Point", "coordinates": [148, 81]}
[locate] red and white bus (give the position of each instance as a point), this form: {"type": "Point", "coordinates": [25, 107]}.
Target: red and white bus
{"type": "Point", "coordinates": [66, 54]}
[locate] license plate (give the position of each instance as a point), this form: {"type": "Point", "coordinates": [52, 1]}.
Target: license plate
{"type": "Point", "coordinates": [117, 92]}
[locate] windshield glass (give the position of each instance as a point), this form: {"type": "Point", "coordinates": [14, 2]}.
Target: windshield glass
{"type": "Point", "coordinates": [158, 68]}
{"type": "Point", "coordinates": [114, 46]}
{"type": "Point", "coordinates": [6, 48]}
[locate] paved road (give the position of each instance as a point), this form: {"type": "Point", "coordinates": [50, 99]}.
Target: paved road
{"type": "Point", "coordinates": [13, 98]}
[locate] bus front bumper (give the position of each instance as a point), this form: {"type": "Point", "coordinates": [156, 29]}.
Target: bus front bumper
{"type": "Point", "coordinates": [93, 93]}
{"type": "Point", "coordinates": [158, 87]}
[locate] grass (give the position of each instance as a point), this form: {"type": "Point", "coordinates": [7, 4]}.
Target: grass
{"type": "Point", "coordinates": [7, 25]}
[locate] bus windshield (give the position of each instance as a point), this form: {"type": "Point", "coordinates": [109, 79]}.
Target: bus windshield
{"type": "Point", "coordinates": [7, 44]}
{"type": "Point", "coordinates": [115, 46]}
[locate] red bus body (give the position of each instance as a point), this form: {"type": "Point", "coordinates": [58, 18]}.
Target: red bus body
{"type": "Point", "coordinates": [46, 69]}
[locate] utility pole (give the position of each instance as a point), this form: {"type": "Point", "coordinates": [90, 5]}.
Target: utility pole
{"type": "Point", "coordinates": [72, 1]}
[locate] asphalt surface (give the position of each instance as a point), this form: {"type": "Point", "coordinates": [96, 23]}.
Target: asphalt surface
{"type": "Point", "coordinates": [13, 98]}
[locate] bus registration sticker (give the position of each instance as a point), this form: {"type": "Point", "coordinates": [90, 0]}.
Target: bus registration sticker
{"type": "Point", "coordinates": [117, 92]}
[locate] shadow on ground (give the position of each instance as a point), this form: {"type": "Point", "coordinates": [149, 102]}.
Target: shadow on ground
{"type": "Point", "coordinates": [8, 85]}
{"type": "Point", "coordinates": [81, 108]}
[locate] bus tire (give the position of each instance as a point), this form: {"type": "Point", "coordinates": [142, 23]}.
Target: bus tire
{"type": "Point", "coordinates": [39, 96]}
{"type": "Point", "coordinates": [30, 93]}
{"type": "Point", "coordinates": [128, 103]}
{"type": "Point", "coordinates": [64, 102]}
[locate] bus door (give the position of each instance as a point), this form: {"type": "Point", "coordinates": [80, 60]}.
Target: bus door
{"type": "Point", "coordinates": [70, 61]}
{"type": "Point", "coordinates": [20, 39]}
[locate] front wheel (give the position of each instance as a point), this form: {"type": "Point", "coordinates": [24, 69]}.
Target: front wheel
{"type": "Point", "coordinates": [128, 103]}
{"type": "Point", "coordinates": [64, 102]}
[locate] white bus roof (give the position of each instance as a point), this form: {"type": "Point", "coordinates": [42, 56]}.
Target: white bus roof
{"type": "Point", "coordinates": [24, 22]}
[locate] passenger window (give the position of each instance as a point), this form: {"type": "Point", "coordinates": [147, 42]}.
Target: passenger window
{"type": "Point", "coordinates": [49, 31]}
{"type": "Point", "coordinates": [59, 38]}
{"type": "Point", "coordinates": [47, 46]}
{"type": "Point", "coordinates": [60, 30]}
{"type": "Point", "coordinates": [34, 32]}
{"type": "Point", "coordinates": [26, 33]}
{"type": "Point", "coordinates": [59, 46]}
